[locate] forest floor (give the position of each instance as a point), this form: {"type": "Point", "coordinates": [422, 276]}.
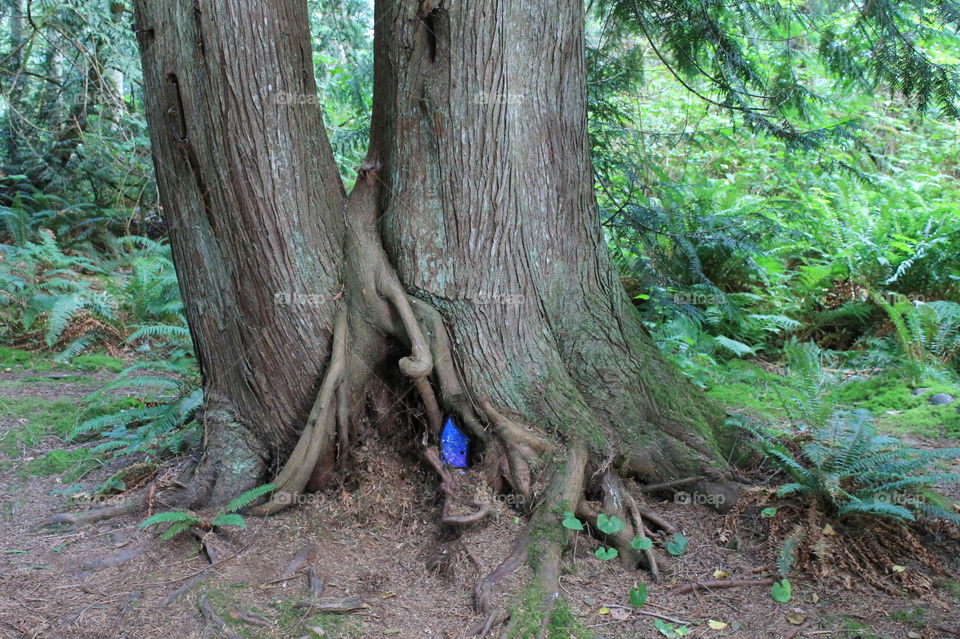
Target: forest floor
{"type": "Point", "coordinates": [378, 539]}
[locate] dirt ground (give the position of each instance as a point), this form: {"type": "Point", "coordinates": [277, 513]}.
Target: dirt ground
{"type": "Point", "coordinates": [381, 541]}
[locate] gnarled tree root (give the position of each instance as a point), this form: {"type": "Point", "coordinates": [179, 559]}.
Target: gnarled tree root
{"type": "Point", "coordinates": [541, 544]}
{"type": "Point", "coordinates": [317, 434]}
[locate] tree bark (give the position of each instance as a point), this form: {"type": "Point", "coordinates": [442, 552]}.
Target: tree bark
{"type": "Point", "coordinates": [252, 202]}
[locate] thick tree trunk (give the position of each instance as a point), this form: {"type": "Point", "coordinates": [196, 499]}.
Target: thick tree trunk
{"type": "Point", "coordinates": [253, 203]}
{"type": "Point", "coordinates": [489, 215]}
{"type": "Point", "coordinates": [471, 241]}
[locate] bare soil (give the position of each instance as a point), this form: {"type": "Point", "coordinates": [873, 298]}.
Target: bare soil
{"type": "Point", "coordinates": [380, 540]}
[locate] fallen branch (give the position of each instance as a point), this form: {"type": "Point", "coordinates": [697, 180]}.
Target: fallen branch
{"type": "Point", "coordinates": [299, 561]}
{"type": "Point", "coordinates": [185, 588]}
{"type": "Point", "coordinates": [718, 584]}
{"type": "Point", "coordinates": [342, 607]}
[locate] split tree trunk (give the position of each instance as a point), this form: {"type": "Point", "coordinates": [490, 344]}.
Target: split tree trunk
{"type": "Point", "coordinates": [471, 242]}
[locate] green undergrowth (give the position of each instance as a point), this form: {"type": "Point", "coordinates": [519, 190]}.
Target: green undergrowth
{"type": "Point", "coordinates": [15, 359]}
{"type": "Point", "coordinates": [528, 616]}
{"type": "Point", "coordinates": [71, 464]}
{"type": "Point", "coordinates": [765, 397]}
{"type": "Point", "coordinates": [898, 411]}
{"type": "Point", "coordinates": [37, 418]}
{"type": "Point", "coordinates": [292, 621]}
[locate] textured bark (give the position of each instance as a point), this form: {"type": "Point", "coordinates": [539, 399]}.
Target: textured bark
{"type": "Point", "coordinates": [253, 203]}
{"type": "Point", "coordinates": [490, 216]}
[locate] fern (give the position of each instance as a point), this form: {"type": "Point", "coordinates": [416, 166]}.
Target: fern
{"type": "Point", "coordinates": [248, 498]}
{"type": "Point", "coordinates": [850, 468]}
{"type": "Point", "coordinates": [229, 519]}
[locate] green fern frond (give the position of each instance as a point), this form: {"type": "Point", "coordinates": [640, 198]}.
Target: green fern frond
{"type": "Point", "coordinates": [248, 497]}
{"type": "Point", "coordinates": [170, 516]}
{"type": "Point", "coordinates": [230, 519]}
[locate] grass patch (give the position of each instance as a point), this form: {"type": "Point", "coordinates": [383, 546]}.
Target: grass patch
{"type": "Point", "coordinates": [72, 464]}
{"type": "Point", "coordinates": [17, 359]}
{"type": "Point", "coordinates": [44, 417]}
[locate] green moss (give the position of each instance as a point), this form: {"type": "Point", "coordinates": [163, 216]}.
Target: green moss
{"type": "Point", "coordinates": [758, 401]}
{"type": "Point", "coordinates": [899, 411]}
{"type": "Point", "coordinates": [543, 536]}
{"type": "Point", "coordinates": [97, 362]}
{"type": "Point", "coordinates": [862, 629]}
{"type": "Point", "coordinates": [41, 417]}
{"type": "Point", "coordinates": [915, 618]}
{"type": "Point", "coordinates": [292, 621]}
{"type": "Point", "coordinates": [528, 616]}
{"type": "Point", "coordinates": [14, 358]}
{"type": "Point", "coordinates": [73, 464]}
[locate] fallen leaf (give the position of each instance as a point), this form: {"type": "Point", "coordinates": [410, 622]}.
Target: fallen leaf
{"type": "Point", "coordinates": [816, 598]}
{"type": "Point", "coordinates": [603, 611]}
{"type": "Point", "coordinates": [716, 625]}
{"type": "Point", "coordinates": [828, 530]}
{"type": "Point", "coordinates": [720, 574]}
{"type": "Point", "coordinates": [899, 569]}
{"type": "Point", "coordinates": [795, 618]}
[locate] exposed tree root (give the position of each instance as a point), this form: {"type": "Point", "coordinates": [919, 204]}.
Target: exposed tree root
{"type": "Point", "coordinates": [214, 547]}
{"type": "Point", "coordinates": [542, 543]}
{"type": "Point", "coordinates": [315, 584]}
{"type": "Point", "coordinates": [213, 624]}
{"type": "Point", "coordinates": [301, 560]}
{"type": "Point", "coordinates": [71, 521]}
{"type": "Point", "coordinates": [318, 432]}
{"type": "Point", "coordinates": [339, 607]}
{"type": "Point", "coordinates": [186, 587]}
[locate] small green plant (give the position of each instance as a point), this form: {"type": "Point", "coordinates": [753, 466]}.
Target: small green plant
{"type": "Point", "coordinates": [851, 469]}
{"type": "Point", "coordinates": [638, 595]}
{"type": "Point", "coordinates": [605, 554]}
{"type": "Point", "coordinates": [182, 521]}
{"type": "Point", "coordinates": [677, 546]}
{"type": "Point", "coordinates": [669, 630]}
{"type": "Point", "coordinates": [570, 521]}
{"type": "Point", "coordinates": [641, 543]}
{"type": "Point", "coordinates": [609, 525]}
{"type": "Point", "coordinates": [781, 591]}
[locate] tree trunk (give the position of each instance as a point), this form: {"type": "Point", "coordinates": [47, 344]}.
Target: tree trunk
{"type": "Point", "coordinates": [13, 91]}
{"type": "Point", "coordinates": [471, 243]}
{"type": "Point", "coordinates": [252, 203]}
